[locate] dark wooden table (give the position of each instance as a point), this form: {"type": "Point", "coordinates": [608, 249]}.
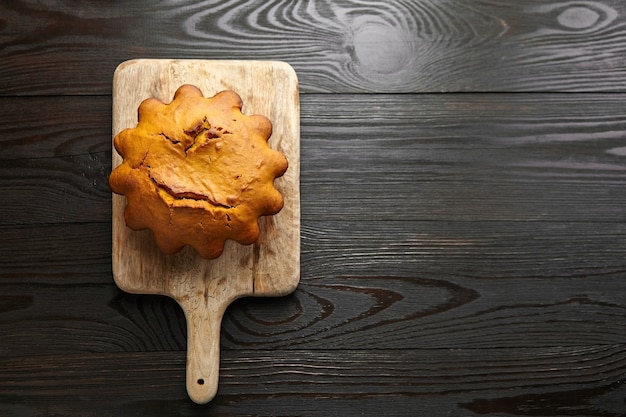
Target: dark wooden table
{"type": "Point", "coordinates": [463, 211]}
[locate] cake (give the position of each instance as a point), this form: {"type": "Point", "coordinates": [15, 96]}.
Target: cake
{"type": "Point", "coordinates": [198, 172]}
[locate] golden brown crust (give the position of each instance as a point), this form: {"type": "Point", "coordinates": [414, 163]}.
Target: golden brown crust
{"type": "Point", "coordinates": [197, 172]}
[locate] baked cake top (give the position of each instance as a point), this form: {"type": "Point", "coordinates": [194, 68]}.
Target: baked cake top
{"type": "Point", "coordinates": [197, 171]}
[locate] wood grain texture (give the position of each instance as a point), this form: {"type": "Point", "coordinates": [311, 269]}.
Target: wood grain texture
{"type": "Point", "coordinates": [462, 254]}
{"type": "Point", "coordinates": [342, 312]}
{"type": "Point", "coordinates": [469, 157]}
{"type": "Point", "coordinates": [339, 46]}
{"type": "Point", "coordinates": [444, 382]}
{"type": "Point", "coordinates": [430, 231]}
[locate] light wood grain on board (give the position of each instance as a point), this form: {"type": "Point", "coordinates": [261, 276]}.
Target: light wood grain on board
{"type": "Point", "coordinates": [266, 88]}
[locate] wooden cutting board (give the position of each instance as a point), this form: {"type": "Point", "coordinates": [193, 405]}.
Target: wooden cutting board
{"type": "Point", "coordinates": [204, 288]}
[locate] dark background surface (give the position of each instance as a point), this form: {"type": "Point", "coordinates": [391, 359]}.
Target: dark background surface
{"type": "Point", "coordinates": [463, 211]}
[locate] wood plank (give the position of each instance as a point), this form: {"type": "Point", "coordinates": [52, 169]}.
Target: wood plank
{"type": "Point", "coordinates": [484, 157]}
{"type": "Point", "coordinates": [339, 46]}
{"type": "Point", "coordinates": [54, 127]}
{"type": "Point", "coordinates": [60, 253]}
{"type": "Point", "coordinates": [414, 308]}
{"type": "Point", "coordinates": [53, 190]}
{"type": "Point", "coordinates": [464, 157]}
{"type": "Point", "coordinates": [430, 382]}
{"type": "Point", "coordinates": [81, 253]}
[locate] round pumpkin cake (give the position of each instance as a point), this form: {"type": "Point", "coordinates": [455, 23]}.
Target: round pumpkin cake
{"type": "Point", "coordinates": [198, 172]}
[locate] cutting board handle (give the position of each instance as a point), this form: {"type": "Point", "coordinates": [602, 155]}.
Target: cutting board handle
{"type": "Point", "coordinates": [204, 319]}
